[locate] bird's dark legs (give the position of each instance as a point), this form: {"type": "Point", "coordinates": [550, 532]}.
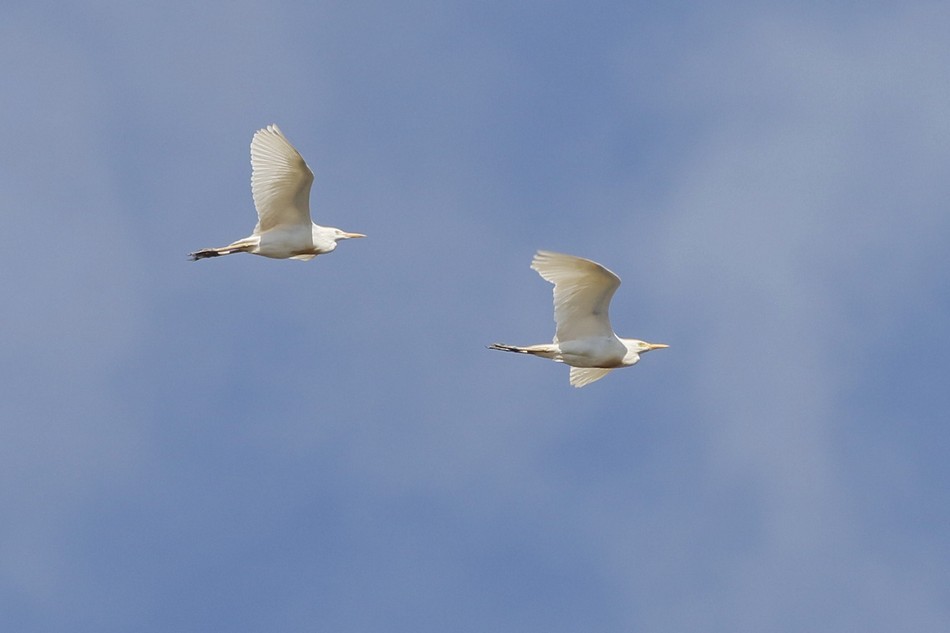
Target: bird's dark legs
{"type": "Point", "coordinates": [204, 253]}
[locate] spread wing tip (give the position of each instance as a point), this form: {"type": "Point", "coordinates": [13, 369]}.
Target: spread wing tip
{"type": "Point", "coordinates": [583, 376]}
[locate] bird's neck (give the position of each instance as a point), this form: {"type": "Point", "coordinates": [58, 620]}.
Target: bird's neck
{"type": "Point", "coordinates": [633, 354]}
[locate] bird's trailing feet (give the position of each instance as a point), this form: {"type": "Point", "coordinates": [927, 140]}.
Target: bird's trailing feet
{"type": "Point", "coordinates": [203, 254]}
{"type": "Point", "coordinates": [508, 348]}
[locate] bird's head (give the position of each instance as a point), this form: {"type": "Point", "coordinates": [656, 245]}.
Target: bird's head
{"type": "Point", "coordinates": [636, 347]}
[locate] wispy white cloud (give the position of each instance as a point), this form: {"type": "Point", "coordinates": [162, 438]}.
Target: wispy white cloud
{"type": "Point", "coordinates": [807, 190]}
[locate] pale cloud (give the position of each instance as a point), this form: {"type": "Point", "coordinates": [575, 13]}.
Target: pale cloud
{"type": "Point", "coordinates": [806, 190]}
{"type": "Point", "coordinates": [71, 309]}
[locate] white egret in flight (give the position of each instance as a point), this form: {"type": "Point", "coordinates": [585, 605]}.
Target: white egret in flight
{"type": "Point", "coordinates": [280, 184]}
{"type": "Point", "coordinates": [584, 338]}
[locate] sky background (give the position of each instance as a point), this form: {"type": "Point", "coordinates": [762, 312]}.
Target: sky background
{"type": "Point", "coordinates": [244, 444]}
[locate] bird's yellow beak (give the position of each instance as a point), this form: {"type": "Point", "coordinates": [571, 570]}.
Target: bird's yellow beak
{"type": "Point", "coordinates": [350, 235]}
{"type": "Point", "coordinates": [658, 345]}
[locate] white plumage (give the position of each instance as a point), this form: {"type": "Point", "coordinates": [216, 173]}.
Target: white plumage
{"type": "Point", "coordinates": [280, 185]}
{"type": "Point", "coordinates": [584, 338]}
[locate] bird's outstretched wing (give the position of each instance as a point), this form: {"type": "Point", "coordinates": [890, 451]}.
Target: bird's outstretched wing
{"type": "Point", "coordinates": [582, 293]}
{"type": "Point", "coordinates": [581, 376]}
{"type": "Point", "coordinates": [280, 181]}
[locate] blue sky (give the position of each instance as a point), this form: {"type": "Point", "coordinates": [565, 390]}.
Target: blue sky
{"type": "Point", "coordinates": [244, 444]}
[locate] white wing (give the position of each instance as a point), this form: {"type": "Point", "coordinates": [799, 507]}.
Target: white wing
{"type": "Point", "coordinates": [280, 181]}
{"type": "Point", "coordinates": [581, 376]}
{"type": "Point", "coordinates": [582, 293]}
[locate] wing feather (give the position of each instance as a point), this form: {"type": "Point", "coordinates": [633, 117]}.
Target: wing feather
{"type": "Point", "coordinates": [280, 181]}
{"type": "Point", "coordinates": [582, 293]}
{"type": "Point", "coordinates": [581, 376]}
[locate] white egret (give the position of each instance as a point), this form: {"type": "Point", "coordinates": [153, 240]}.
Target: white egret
{"type": "Point", "coordinates": [280, 184]}
{"type": "Point", "coordinates": [584, 338]}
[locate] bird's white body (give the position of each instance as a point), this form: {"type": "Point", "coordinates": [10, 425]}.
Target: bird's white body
{"type": "Point", "coordinates": [584, 338]}
{"type": "Point", "coordinates": [287, 242]}
{"type": "Point", "coordinates": [280, 184]}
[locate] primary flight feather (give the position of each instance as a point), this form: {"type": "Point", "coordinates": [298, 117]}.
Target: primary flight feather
{"type": "Point", "coordinates": [280, 185]}
{"type": "Point", "coordinates": [584, 338]}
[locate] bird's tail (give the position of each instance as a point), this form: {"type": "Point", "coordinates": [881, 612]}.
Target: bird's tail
{"type": "Point", "coordinates": [544, 350]}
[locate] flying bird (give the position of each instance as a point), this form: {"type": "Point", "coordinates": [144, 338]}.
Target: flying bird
{"type": "Point", "coordinates": [584, 338]}
{"type": "Point", "coordinates": [280, 184]}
